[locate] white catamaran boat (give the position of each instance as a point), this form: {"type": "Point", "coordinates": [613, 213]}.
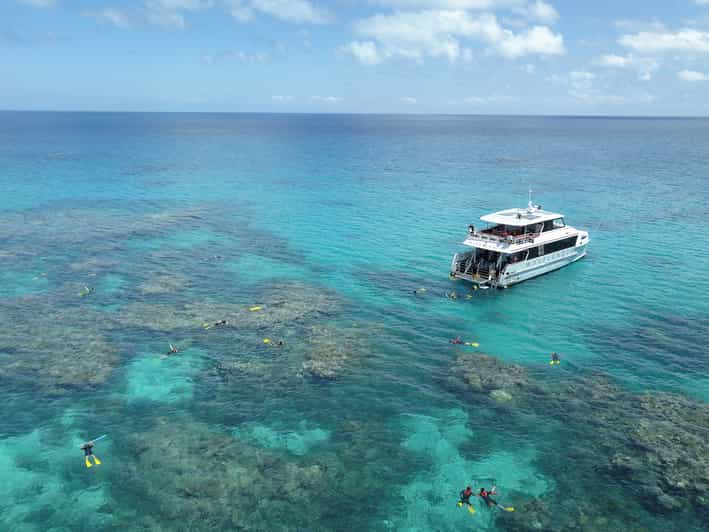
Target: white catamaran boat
{"type": "Point", "coordinates": [516, 245]}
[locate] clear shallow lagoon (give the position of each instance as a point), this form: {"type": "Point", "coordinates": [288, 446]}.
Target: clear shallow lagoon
{"type": "Point", "coordinates": [328, 223]}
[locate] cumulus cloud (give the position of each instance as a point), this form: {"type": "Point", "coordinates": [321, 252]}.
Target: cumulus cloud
{"type": "Point", "coordinates": [366, 52]}
{"type": "Point", "coordinates": [655, 42]}
{"type": "Point", "coordinates": [443, 33]}
{"type": "Point", "coordinates": [644, 66]}
{"type": "Point", "coordinates": [692, 75]}
{"type": "Point", "coordinates": [289, 10]}
{"type": "Point", "coordinates": [539, 11]}
{"type": "Point", "coordinates": [409, 100]}
{"type": "Point", "coordinates": [39, 3]}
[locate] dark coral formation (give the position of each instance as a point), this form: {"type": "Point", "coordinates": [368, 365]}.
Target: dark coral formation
{"type": "Point", "coordinates": [54, 348]}
{"type": "Point", "coordinates": [656, 442]}
{"type": "Point", "coordinates": [482, 374]}
{"type": "Point", "coordinates": [329, 351]}
{"type": "Point", "coordinates": [187, 476]}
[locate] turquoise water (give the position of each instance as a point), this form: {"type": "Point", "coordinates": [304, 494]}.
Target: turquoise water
{"type": "Point", "coordinates": [328, 224]}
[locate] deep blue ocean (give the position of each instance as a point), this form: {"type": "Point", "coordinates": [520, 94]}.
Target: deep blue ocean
{"type": "Point", "coordinates": [121, 234]}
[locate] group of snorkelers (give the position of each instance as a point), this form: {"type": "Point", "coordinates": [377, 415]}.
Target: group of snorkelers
{"type": "Point", "coordinates": [485, 495]}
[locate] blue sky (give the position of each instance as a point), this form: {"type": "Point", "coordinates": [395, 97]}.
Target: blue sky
{"type": "Point", "coordinates": [622, 57]}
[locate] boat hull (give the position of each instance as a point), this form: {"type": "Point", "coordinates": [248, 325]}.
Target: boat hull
{"type": "Point", "coordinates": [523, 271]}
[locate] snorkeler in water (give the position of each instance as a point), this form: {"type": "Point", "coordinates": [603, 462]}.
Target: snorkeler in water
{"type": "Point", "coordinates": [465, 499]}
{"type": "Point", "coordinates": [456, 341]}
{"type": "Point", "coordinates": [220, 323]}
{"type": "Point", "coordinates": [555, 359]}
{"type": "Point", "coordinates": [486, 496]}
{"type": "Point", "coordinates": [89, 453]}
{"type": "Point", "coordinates": [452, 295]}
{"type": "Point", "coordinates": [173, 350]}
{"type": "Point", "coordinates": [86, 291]}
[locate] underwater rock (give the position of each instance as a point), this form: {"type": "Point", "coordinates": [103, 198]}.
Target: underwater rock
{"type": "Point", "coordinates": [484, 374]}
{"type": "Point", "coordinates": [162, 284]}
{"type": "Point", "coordinates": [331, 350]}
{"type": "Point", "coordinates": [54, 347]}
{"type": "Point", "coordinates": [658, 440]}
{"type": "Point", "coordinates": [501, 396]}
{"type": "Point", "coordinates": [192, 477]}
{"type": "Point", "coordinates": [278, 307]}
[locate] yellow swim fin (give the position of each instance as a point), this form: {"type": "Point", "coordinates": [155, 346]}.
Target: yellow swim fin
{"type": "Point", "coordinates": [508, 508]}
{"type": "Point", "coordinates": [551, 362]}
{"type": "Point", "coordinates": [206, 326]}
{"type": "Point", "coordinates": [471, 509]}
{"type": "Point", "coordinates": [96, 460]}
{"type": "Point", "coordinates": [266, 340]}
{"type": "Point", "coordinates": [254, 309]}
{"type": "Point", "coordinates": [474, 344]}
{"type": "Point", "coordinates": [87, 462]}
{"type": "Point", "coordinates": [460, 504]}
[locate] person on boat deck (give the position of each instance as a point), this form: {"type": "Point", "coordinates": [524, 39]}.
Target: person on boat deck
{"type": "Point", "coordinates": [486, 496]}
{"type": "Point", "coordinates": [465, 496]}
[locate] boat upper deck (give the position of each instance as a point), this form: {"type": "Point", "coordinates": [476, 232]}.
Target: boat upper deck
{"type": "Point", "coordinates": [520, 217]}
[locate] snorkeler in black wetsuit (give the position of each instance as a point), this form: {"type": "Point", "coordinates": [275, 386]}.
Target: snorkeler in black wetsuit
{"type": "Point", "coordinates": [486, 496]}
{"type": "Point", "coordinates": [88, 452]}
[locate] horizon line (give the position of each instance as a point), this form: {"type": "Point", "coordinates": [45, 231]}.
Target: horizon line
{"type": "Point", "coordinates": [352, 113]}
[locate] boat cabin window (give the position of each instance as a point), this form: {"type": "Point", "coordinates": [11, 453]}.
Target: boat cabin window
{"type": "Point", "coordinates": [560, 245]}
{"type": "Point", "coordinates": [559, 223]}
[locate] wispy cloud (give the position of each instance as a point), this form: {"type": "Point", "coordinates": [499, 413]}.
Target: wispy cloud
{"type": "Point", "coordinates": [409, 100]}
{"type": "Point", "coordinates": [38, 3]}
{"type": "Point", "coordinates": [282, 99]}
{"type": "Point", "coordinates": [112, 16]}
{"type": "Point", "coordinates": [644, 66]}
{"type": "Point", "coordinates": [692, 75]}
{"type": "Point", "coordinates": [686, 40]}
{"type": "Point", "coordinates": [300, 11]}
{"type": "Point", "coordinates": [235, 55]}
{"type": "Point", "coordinates": [326, 99]}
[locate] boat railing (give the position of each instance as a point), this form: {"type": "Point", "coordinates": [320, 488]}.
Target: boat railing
{"type": "Point", "coordinates": [509, 240]}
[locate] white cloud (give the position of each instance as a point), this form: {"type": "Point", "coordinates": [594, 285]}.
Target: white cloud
{"type": "Point", "coordinates": [289, 10]}
{"type": "Point", "coordinates": [530, 68]}
{"type": "Point", "coordinates": [539, 11]}
{"type": "Point", "coordinates": [326, 99]}
{"type": "Point", "coordinates": [439, 34]}
{"type": "Point", "coordinates": [702, 2]}
{"type": "Point", "coordinates": [282, 99]}
{"type": "Point", "coordinates": [112, 16]}
{"type": "Point", "coordinates": [654, 42]}
{"type": "Point", "coordinates": [239, 10]}
{"type": "Point", "coordinates": [409, 100]}
{"type": "Point", "coordinates": [450, 4]}
{"type": "Point", "coordinates": [235, 55]}
{"type": "Point", "coordinates": [692, 75]}
{"type": "Point", "coordinates": [644, 66]}
{"type": "Point", "coordinates": [485, 100]}
{"type": "Point", "coordinates": [39, 3]}
{"type": "Point", "coordinates": [366, 52]}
